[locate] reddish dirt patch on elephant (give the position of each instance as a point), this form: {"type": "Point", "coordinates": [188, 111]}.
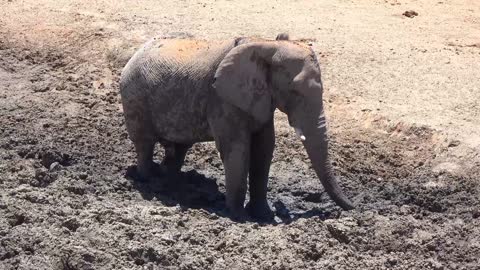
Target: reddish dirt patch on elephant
{"type": "Point", "coordinates": [184, 48]}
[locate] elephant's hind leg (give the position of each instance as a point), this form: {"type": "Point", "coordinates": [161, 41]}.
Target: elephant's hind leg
{"type": "Point", "coordinates": [140, 132]}
{"type": "Point", "coordinates": [145, 164]}
{"type": "Point", "coordinates": [174, 156]}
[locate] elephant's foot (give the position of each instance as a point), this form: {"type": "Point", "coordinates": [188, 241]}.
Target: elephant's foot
{"type": "Point", "coordinates": [235, 208]}
{"type": "Point", "coordinates": [145, 164]}
{"type": "Point", "coordinates": [238, 214]}
{"type": "Point", "coordinates": [260, 210]}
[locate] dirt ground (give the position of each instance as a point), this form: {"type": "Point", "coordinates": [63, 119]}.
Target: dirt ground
{"type": "Point", "coordinates": [402, 98]}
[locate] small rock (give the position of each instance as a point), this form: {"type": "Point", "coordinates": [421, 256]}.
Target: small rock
{"type": "Point", "coordinates": [50, 157]}
{"type": "Point", "coordinates": [76, 189]}
{"type": "Point", "coordinates": [27, 152]}
{"type": "Point", "coordinates": [221, 245]}
{"type": "Point", "coordinates": [340, 229]}
{"type": "Point", "coordinates": [71, 224]}
{"type": "Point", "coordinates": [143, 255]}
{"type": "Point", "coordinates": [454, 143]}
{"type": "Point", "coordinates": [446, 167]}
{"type": "Point", "coordinates": [41, 89]}
{"type": "Point", "coordinates": [213, 216]}
{"type": "Point", "coordinates": [54, 166]}
{"type": "Point", "coordinates": [392, 261]}
{"type": "Point", "coordinates": [314, 252]}
{"type": "Point", "coordinates": [83, 175]}
{"type": "Point", "coordinates": [277, 219]}
{"type": "Point", "coordinates": [476, 213]}
{"type": "Point", "coordinates": [435, 264]}
{"type": "Point", "coordinates": [43, 178]}
{"type": "Point", "coordinates": [405, 209]}
{"type": "Point", "coordinates": [17, 219]}
{"type": "Point", "coordinates": [410, 13]}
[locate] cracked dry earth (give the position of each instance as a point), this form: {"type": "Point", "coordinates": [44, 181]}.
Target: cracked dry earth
{"type": "Point", "coordinates": [66, 201]}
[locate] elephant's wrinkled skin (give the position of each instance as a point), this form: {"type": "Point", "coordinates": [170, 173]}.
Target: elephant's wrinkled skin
{"type": "Point", "coordinates": [179, 91]}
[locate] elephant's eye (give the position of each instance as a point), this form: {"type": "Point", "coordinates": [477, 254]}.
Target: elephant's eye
{"type": "Point", "coordinates": [297, 91]}
{"type": "Point", "coordinates": [292, 98]}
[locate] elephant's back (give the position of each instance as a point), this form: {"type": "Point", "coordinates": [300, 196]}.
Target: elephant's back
{"type": "Point", "coordinates": [181, 50]}
{"type": "Point", "coordinates": [159, 62]}
{"type": "Point", "coordinates": [187, 59]}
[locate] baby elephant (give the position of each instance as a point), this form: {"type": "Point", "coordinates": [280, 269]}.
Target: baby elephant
{"type": "Point", "coordinates": [182, 91]}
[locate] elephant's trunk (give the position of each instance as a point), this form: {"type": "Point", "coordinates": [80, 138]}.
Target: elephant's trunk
{"type": "Point", "coordinates": [316, 143]}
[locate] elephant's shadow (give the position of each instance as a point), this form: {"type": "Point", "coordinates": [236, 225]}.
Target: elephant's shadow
{"type": "Point", "coordinates": [187, 189]}
{"type": "Point", "coordinates": [192, 190]}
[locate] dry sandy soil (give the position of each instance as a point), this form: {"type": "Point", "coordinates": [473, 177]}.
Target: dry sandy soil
{"type": "Point", "coordinates": [403, 107]}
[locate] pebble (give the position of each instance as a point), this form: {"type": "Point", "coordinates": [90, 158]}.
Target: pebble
{"type": "Point", "coordinates": [54, 166]}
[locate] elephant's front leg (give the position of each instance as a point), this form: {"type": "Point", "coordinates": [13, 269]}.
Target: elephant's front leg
{"type": "Point", "coordinates": [232, 138]}
{"type": "Point", "coordinates": [235, 154]}
{"type": "Point", "coordinates": [261, 154]}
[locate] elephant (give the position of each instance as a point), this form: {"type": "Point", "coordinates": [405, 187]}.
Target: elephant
{"type": "Point", "coordinates": [182, 91]}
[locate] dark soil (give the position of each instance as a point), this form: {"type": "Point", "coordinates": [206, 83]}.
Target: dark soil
{"type": "Point", "coordinates": [67, 202]}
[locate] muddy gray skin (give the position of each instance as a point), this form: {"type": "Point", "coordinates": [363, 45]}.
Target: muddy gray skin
{"type": "Point", "coordinates": [180, 91]}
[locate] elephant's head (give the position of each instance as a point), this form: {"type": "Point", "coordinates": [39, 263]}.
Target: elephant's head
{"type": "Point", "coordinates": [258, 76]}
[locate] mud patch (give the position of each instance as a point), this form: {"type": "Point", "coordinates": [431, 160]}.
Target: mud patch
{"type": "Point", "coordinates": [66, 201]}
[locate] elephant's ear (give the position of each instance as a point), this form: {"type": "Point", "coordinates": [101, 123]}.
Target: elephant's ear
{"type": "Point", "coordinates": [241, 79]}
